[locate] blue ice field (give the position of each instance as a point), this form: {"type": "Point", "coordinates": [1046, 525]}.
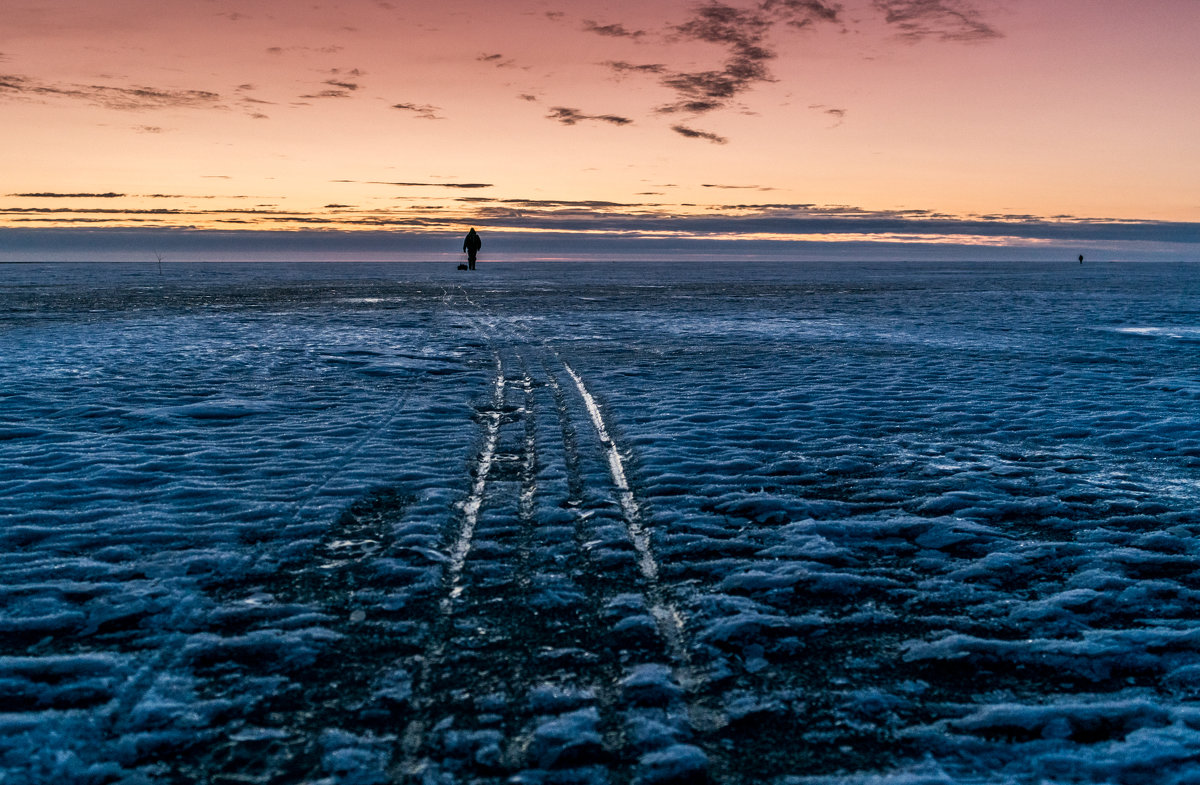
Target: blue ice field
{"type": "Point", "coordinates": [600, 523]}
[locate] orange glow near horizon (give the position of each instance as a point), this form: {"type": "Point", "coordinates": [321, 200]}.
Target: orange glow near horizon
{"type": "Point", "coordinates": [397, 115]}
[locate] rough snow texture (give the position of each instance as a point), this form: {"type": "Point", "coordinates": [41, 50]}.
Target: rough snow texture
{"type": "Point", "coordinates": [603, 523]}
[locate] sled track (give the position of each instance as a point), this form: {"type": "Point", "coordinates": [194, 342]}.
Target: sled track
{"type": "Point", "coordinates": [462, 545]}
{"type": "Point", "coordinates": [414, 733]}
{"type": "Point", "coordinates": [557, 656]}
{"type": "Point", "coordinates": [670, 621]}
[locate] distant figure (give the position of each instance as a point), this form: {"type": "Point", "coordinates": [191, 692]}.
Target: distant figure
{"type": "Point", "coordinates": [1081, 258]}
{"type": "Point", "coordinates": [471, 245]}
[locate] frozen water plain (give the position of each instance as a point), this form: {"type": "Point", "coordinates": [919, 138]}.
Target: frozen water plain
{"type": "Point", "coordinates": [600, 523]}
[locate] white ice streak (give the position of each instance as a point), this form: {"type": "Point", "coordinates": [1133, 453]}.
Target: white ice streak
{"type": "Point", "coordinates": [668, 617]}
{"type": "Point", "coordinates": [466, 533]}
{"type": "Point", "coordinates": [529, 487]}
{"type": "Point", "coordinates": [629, 505]}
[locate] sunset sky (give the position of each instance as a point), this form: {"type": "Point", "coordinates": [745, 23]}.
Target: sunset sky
{"type": "Point", "coordinates": [375, 129]}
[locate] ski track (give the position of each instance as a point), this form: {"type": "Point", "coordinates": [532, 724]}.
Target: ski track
{"type": "Point", "coordinates": [413, 738]}
{"type": "Point", "coordinates": [462, 545]}
{"type": "Point", "coordinates": [576, 490]}
{"type": "Point", "coordinates": [590, 733]}
{"type": "Point", "coordinates": [666, 613]}
{"type": "Point", "coordinates": [669, 618]}
{"type": "Point", "coordinates": [529, 489]}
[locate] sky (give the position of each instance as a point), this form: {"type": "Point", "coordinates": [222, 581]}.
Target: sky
{"type": "Point", "coordinates": [740, 128]}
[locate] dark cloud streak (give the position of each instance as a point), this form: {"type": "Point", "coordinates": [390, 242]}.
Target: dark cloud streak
{"type": "Point", "coordinates": [49, 195]}
{"type": "Point", "coordinates": [327, 94]}
{"type": "Point", "coordinates": [422, 111]}
{"type": "Point", "coordinates": [947, 20]}
{"type": "Point", "coordinates": [126, 99]}
{"type": "Point", "coordinates": [838, 115]}
{"type": "Point", "coordinates": [422, 185]}
{"type": "Point", "coordinates": [621, 67]}
{"type": "Point", "coordinates": [341, 86]}
{"type": "Point", "coordinates": [692, 133]}
{"type": "Point", "coordinates": [612, 31]}
{"type": "Point", "coordinates": [568, 116]}
{"type": "Point", "coordinates": [737, 187]}
{"type": "Point", "coordinates": [497, 60]}
{"type": "Point", "coordinates": [327, 50]}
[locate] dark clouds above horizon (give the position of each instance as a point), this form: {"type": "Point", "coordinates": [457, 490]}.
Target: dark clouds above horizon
{"type": "Point", "coordinates": [89, 243]}
{"type": "Point", "coordinates": [610, 226]}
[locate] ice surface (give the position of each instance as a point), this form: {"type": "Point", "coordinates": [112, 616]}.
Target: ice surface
{"type": "Point", "coordinates": [669, 523]}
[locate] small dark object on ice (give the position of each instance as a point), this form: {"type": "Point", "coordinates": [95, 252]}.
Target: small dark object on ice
{"type": "Point", "coordinates": [462, 267]}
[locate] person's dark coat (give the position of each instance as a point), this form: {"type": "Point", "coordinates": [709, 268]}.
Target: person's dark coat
{"type": "Point", "coordinates": [472, 243]}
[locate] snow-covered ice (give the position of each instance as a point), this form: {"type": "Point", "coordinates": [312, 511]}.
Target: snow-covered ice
{"type": "Point", "coordinates": [600, 523]}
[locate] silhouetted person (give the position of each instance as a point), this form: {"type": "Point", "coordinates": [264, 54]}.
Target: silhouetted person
{"type": "Point", "coordinates": [1081, 258]}
{"type": "Point", "coordinates": [471, 245]}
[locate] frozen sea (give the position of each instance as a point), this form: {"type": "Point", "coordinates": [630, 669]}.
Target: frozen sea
{"type": "Point", "coordinates": [600, 523]}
